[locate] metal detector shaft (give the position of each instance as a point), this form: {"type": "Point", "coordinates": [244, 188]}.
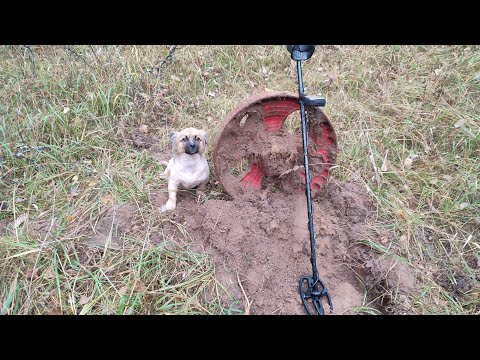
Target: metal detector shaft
{"type": "Point", "coordinates": [307, 171]}
{"type": "Point", "coordinates": [312, 292]}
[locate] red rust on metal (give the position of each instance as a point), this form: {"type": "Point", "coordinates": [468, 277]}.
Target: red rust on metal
{"type": "Point", "coordinates": [276, 113]}
{"type": "Point", "coordinates": [253, 178]}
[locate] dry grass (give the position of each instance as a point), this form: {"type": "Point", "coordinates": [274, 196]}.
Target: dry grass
{"type": "Point", "coordinates": [386, 103]}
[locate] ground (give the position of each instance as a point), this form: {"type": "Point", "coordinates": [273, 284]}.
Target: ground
{"type": "Point", "coordinates": [82, 131]}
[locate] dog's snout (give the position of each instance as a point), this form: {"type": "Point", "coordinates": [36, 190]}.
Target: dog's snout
{"type": "Point", "coordinates": [191, 148]}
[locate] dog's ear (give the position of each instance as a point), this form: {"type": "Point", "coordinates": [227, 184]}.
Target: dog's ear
{"type": "Point", "coordinates": [173, 139]}
{"type": "Point", "coordinates": [205, 137]}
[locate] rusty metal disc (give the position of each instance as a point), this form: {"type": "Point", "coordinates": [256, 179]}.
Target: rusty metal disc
{"type": "Point", "coordinates": [256, 149]}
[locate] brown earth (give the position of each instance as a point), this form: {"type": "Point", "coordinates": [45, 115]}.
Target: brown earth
{"type": "Point", "coordinates": [265, 244]}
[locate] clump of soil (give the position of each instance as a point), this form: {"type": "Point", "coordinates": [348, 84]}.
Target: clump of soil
{"type": "Point", "coordinates": [259, 241]}
{"type": "Point", "coordinates": [273, 151]}
{"type": "Point", "coordinates": [3, 226]}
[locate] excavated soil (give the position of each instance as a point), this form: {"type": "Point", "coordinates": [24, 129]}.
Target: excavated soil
{"type": "Point", "coordinates": [265, 244]}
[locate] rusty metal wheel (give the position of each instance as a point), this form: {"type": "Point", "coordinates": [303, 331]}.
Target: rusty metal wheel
{"type": "Point", "coordinates": [256, 150]}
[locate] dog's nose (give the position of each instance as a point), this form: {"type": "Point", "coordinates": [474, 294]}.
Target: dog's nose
{"type": "Point", "coordinates": [192, 146]}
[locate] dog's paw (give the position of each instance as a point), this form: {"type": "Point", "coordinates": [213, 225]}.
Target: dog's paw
{"type": "Point", "coordinates": [164, 208]}
{"type": "Point", "coordinates": [167, 207]}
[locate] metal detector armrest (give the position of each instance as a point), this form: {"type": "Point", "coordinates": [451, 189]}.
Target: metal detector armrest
{"type": "Point", "coordinates": [313, 100]}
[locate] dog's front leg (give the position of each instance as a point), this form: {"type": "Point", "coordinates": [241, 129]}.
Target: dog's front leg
{"type": "Point", "coordinates": [172, 196]}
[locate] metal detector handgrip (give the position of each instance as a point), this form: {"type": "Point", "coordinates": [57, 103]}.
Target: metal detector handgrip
{"type": "Point", "coordinates": [315, 101]}
{"type": "Point", "coordinates": [300, 52]}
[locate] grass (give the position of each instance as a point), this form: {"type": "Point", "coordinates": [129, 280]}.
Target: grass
{"type": "Point", "coordinates": [386, 103]}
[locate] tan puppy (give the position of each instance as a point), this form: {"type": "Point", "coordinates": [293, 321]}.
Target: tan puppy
{"type": "Point", "coordinates": [188, 167]}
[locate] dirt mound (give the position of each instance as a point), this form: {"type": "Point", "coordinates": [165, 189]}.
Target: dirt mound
{"type": "Point", "coordinates": [265, 244]}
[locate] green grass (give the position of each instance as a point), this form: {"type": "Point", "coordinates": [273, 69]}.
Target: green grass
{"type": "Point", "coordinates": [385, 103]}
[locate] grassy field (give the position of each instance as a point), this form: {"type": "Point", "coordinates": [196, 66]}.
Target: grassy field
{"type": "Point", "coordinates": [408, 125]}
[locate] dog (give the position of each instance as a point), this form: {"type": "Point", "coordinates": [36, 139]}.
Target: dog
{"type": "Point", "coordinates": [188, 167]}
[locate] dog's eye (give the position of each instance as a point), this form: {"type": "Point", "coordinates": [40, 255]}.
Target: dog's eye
{"type": "Point", "coordinates": [184, 139]}
{"type": "Point", "coordinates": [197, 138]}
